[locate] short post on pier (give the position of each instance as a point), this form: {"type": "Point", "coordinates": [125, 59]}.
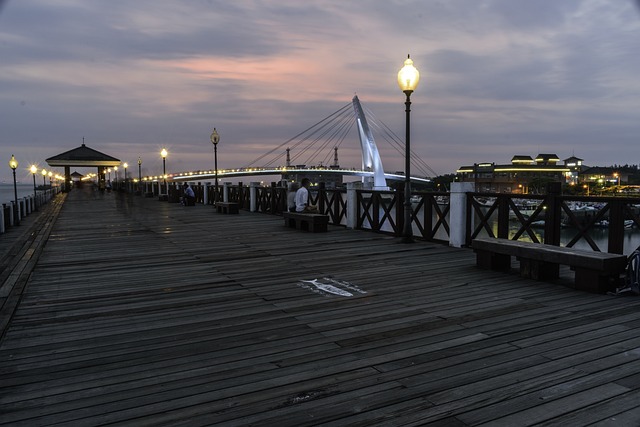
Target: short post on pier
{"type": "Point", "coordinates": [2, 229]}
{"type": "Point", "coordinates": [225, 192]}
{"type": "Point", "coordinates": [352, 204]}
{"type": "Point", "coordinates": [253, 196]}
{"type": "Point", "coordinates": [458, 212]}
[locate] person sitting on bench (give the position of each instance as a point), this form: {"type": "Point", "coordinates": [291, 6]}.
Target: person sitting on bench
{"type": "Point", "coordinates": [291, 197]}
{"type": "Point", "coordinates": [189, 198]}
{"type": "Point", "coordinates": [302, 198]}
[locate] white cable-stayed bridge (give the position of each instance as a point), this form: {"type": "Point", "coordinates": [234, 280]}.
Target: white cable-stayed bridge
{"type": "Point", "coordinates": [315, 151]}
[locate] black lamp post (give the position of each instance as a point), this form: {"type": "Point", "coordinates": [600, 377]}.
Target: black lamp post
{"type": "Point", "coordinates": [164, 153]}
{"type": "Point", "coordinates": [126, 165]}
{"type": "Point", "coordinates": [44, 176]}
{"type": "Point", "coordinates": [109, 170]}
{"type": "Point", "coordinates": [34, 170]}
{"type": "Point", "coordinates": [50, 179]}
{"type": "Point", "coordinates": [13, 164]}
{"type": "Point", "coordinates": [408, 78]}
{"type": "Point", "coordinates": [139, 174]}
{"type": "Point", "coordinates": [215, 138]}
{"type": "Point", "coordinates": [115, 170]}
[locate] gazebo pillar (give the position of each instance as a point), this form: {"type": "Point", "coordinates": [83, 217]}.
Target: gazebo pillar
{"type": "Point", "coordinates": [67, 179]}
{"type": "Point", "coordinates": [101, 178]}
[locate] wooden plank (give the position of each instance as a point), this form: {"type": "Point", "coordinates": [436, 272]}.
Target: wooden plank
{"type": "Point", "coordinates": [166, 315]}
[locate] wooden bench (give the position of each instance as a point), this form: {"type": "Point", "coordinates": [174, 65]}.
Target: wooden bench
{"type": "Point", "coordinates": [594, 271]}
{"type": "Point", "coordinates": [227, 207]}
{"type": "Point", "coordinates": [314, 223]}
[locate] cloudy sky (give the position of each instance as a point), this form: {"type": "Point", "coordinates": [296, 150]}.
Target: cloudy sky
{"type": "Point", "coordinates": [499, 77]}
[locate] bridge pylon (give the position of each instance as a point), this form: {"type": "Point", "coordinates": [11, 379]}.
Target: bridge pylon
{"type": "Point", "coordinates": [371, 160]}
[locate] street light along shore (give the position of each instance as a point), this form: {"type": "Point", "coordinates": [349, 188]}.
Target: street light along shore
{"type": "Point", "coordinates": [215, 139]}
{"type": "Point", "coordinates": [408, 78]}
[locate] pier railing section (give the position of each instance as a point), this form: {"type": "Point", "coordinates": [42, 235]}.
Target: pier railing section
{"type": "Point", "coordinates": [610, 224]}
{"type": "Point", "coordinates": [353, 207]}
{"type": "Point", "coordinates": [26, 206]}
{"type": "Point", "coordinates": [605, 224]}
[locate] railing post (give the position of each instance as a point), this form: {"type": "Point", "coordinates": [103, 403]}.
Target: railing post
{"type": "Point", "coordinates": [352, 204]}
{"type": "Point", "coordinates": [553, 214]}
{"type": "Point", "coordinates": [205, 196]}
{"type": "Point", "coordinates": [458, 213]}
{"type": "Point", "coordinates": [2, 230]}
{"type": "Point", "coordinates": [253, 196]}
{"type": "Point", "coordinates": [322, 194]}
{"type": "Point", "coordinates": [274, 198]}
{"type": "Point", "coordinates": [616, 227]}
{"type": "Point", "coordinates": [240, 196]}
{"type": "Point", "coordinates": [503, 217]}
{"type": "Point", "coordinates": [12, 214]}
{"type": "Point", "coordinates": [225, 192]}
{"type": "Point", "coordinates": [427, 218]}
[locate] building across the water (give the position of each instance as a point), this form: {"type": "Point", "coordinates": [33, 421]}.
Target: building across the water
{"type": "Point", "coordinates": [522, 176]}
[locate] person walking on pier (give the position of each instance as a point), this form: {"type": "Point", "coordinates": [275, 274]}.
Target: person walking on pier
{"type": "Point", "coordinates": [189, 198]}
{"type": "Point", "coordinates": [302, 198]}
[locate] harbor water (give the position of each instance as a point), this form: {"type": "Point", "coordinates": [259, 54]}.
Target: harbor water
{"type": "Point", "coordinates": [7, 194]}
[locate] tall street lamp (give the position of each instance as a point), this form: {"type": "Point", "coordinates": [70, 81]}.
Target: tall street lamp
{"type": "Point", "coordinates": [139, 173]}
{"type": "Point", "coordinates": [109, 170]}
{"type": "Point", "coordinates": [44, 175]}
{"type": "Point", "coordinates": [215, 138]}
{"type": "Point", "coordinates": [408, 78]}
{"type": "Point", "coordinates": [164, 153]}
{"type": "Point", "coordinates": [34, 170]}
{"type": "Point", "coordinates": [126, 165]}
{"type": "Point", "coordinates": [50, 179]}
{"type": "Point", "coordinates": [13, 164]}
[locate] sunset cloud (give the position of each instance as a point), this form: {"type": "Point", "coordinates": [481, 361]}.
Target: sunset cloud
{"type": "Point", "coordinates": [499, 77]}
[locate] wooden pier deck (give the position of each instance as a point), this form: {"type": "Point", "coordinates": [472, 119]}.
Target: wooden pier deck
{"type": "Point", "coordinates": [144, 313]}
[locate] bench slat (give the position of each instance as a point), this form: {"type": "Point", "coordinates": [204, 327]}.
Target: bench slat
{"type": "Point", "coordinates": [314, 223]}
{"type": "Point", "coordinates": [548, 253]}
{"type": "Point", "coordinates": [594, 271]}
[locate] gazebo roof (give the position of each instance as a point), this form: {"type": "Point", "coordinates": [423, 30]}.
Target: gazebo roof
{"type": "Point", "coordinates": [83, 156]}
{"type": "Point", "coordinates": [76, 174]}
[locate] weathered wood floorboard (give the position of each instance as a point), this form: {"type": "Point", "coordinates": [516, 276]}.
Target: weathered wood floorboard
{"type": "Point", "coordinates": [139, 312]}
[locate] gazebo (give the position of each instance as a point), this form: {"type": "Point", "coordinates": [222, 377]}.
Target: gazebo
{"type": "Point", "coordinates": [83, 156]}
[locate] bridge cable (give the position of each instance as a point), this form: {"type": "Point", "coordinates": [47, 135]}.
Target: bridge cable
{"type": "Point", "coordinates": [298, 154]}
{"type": "Point", "coordinates": [323, 131]}
{"type": "Point", "coordinates": [281, 146]}
{"type": "Point", "coordinates": [399, 145]}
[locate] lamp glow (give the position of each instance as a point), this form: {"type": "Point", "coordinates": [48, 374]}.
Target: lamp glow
{"type": "Point", "coordinates": [408, 76]}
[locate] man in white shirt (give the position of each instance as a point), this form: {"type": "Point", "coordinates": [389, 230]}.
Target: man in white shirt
{"type": "Point", "coordinates": [189, 198]}
{"type": "Point", "coordinates": [302, 198]}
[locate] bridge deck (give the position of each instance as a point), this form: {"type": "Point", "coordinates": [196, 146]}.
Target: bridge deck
{"type": "Point", "coordinates": [141, 312]}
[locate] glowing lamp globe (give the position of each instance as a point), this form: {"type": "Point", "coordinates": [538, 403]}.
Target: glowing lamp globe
{"type": "Point", "coordinates": [13, 163]}
{"type": "Point", "coordinates": [408, 76]}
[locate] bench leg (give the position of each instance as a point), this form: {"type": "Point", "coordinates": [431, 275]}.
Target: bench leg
{"type": "Point", "coordinates": [538, 270]}
{"type": "Point", "coordinates": [317, 227]}
{"type": "Point", "coordinates": [493, 261]}
{"type": "Point", "coordinates": [591, 281]}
